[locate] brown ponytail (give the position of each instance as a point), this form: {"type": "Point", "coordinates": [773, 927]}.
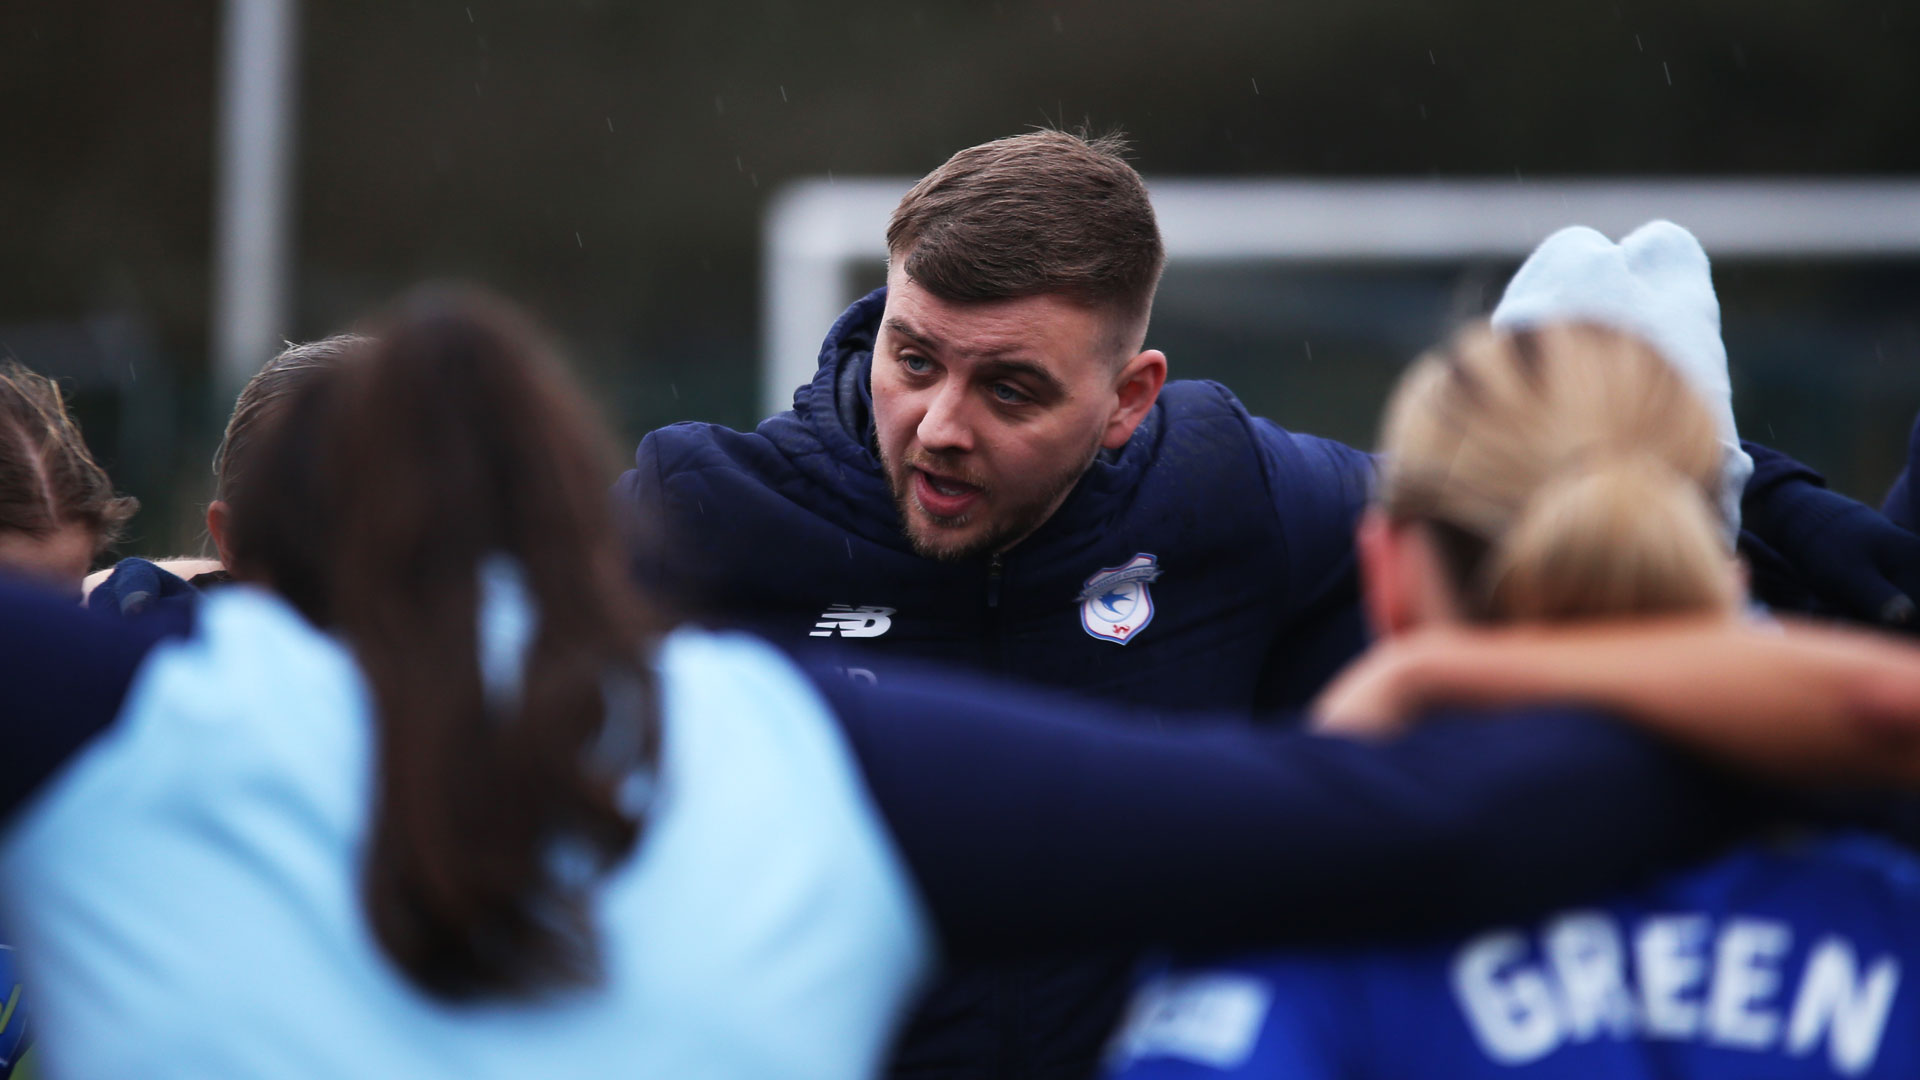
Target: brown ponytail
{"type": "Point", "coordinates": [451, 443]}
{"type": "Point", "coordinates": [1566, 472]}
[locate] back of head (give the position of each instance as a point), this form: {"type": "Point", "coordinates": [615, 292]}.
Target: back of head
{"type": "Point", "coordinates": [1047, 212]}
{"type": "Point", "coordinates": [265, 394]}
{"type": "Point", "coordinates": [451, 452]}
{"type": "Point", "coordinates": [1564, 472]}
{"type": "Point", "coordinates": [48, 478]}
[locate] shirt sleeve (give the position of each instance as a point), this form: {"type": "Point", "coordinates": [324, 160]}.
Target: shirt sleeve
{"type": "Point", "coordinates": [1317, 489]}
{"type": "Point", "coordinates": [64, 670]}
{"type": "Point", "coordinates": [1030, 828]}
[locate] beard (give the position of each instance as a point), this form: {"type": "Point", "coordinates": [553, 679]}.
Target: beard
{"type": "Point", "coordinates": [1007, 525]}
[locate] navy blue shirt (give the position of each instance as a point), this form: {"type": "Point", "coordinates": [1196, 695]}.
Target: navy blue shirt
{"type": "Point", "coordinates": [1789, 960]}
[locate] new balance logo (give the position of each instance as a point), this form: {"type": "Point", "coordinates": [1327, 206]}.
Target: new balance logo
{"type": "Point", "coordinates": [844, 620]}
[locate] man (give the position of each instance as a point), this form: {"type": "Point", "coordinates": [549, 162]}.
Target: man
{"type": "Point", "coordinates": [991, 469]}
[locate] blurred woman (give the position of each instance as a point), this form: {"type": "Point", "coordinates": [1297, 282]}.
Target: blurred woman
{"type": "Point", "coordinates": [1554, 476]}
{"type": "Point", "coordinates": [58, 511]}
{"type": "Point", "coordinates": [135, 585]}
{"type": "Point", "coordinates": [452, 800]}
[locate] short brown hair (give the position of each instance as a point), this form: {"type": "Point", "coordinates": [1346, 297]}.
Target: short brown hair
{"type": "Point", "coordinates": [1048, 212]}
{"type": "Point", "coordinates": [265, 395]}
{"type": "Point", "coordinates": [48, 479]}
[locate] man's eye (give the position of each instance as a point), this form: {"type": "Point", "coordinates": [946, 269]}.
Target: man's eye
{"type": "Point", "coordinates": [916, 363]}
{"type": "Point", "coordinates": [1009, 395]}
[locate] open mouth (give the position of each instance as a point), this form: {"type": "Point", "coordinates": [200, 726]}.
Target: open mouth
{"type": "Point", "coordinates": [944, 496]}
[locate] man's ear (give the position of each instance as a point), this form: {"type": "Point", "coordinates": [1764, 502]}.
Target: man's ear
{"type": "Point", "coordinates": [1136, 388]}
{"type": "Point", "coordinates": [218, 519]}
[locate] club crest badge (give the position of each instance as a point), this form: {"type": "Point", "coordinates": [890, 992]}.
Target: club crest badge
{"type": "Point", "coordinates": [1115, 603]}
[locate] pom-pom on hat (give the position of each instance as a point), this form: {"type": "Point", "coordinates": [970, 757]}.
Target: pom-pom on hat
{"type": "Point", "coordinates": [1656, 285]}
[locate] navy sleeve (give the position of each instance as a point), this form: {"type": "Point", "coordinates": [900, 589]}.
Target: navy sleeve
{"type": "Point", "coordinates": [63, 673]}
{"type": "Point", "coordinates": [1902, 504]}
{"type": "Point", "coordinates": [1317, 489]}
{"type": "Point", "coordinates": [1030, 831]}
{"type": "Point", "coordinates": [139, 587]}
{"type": "Point", "coordinates": [1771, 468]}
{"type": "Point", "coordinates": [1851, 558]}
{"type": "Point", "coordinates": [640, 510]}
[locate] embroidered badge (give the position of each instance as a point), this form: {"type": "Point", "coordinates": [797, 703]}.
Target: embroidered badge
{"type": "Point", "coordinates": [1115, 603]}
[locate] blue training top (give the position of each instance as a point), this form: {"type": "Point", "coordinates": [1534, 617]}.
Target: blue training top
{"type": "Point", "coordinates": [1787, 961]}
{"type": "Point", "coordinates": [190, 886]}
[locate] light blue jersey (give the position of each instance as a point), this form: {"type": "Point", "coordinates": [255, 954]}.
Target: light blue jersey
{"type": "Point", "coordinates": [188, 890]}
{"type": "Point", "coordinates": [1778, 962]}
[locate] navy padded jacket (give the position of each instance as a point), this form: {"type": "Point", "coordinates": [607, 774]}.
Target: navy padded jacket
{"type": "Point", "coordinates": [1250, 526]}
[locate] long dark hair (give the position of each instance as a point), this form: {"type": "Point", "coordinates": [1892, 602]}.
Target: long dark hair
{"type": "Point", "coordinates": [451, 444]}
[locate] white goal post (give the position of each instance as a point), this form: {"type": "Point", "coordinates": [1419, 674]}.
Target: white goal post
{"type": "Point", "coordinates": [818, 231]}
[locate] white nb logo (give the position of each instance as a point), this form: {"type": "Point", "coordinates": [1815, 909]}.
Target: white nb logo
{"type": "Point", "coordinates": [848, 621]}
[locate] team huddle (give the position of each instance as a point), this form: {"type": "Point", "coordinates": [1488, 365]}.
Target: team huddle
{"type": "Point", "coordinates": [1003, 709]}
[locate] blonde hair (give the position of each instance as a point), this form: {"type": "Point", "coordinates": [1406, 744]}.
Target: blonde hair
{"type": "Point", "coordinates": [1564, 472]}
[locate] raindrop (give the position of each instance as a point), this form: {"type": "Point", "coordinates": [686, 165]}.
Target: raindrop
{"type": "Point", "coordinates": [469, 14]}
{"type": "Point", "coordinates": [609, 123]}
{"type": "Point", "coordinates": [1431, 60]}
{"type": "Point", "coordinates": [1668, 71]}
{"type": "Point", "coordinates": [674, 388]}
{"type": "Point", "coordinates": [1423, 110]}
{"type": "Point", "coordinates": [1637, 45]}
{"type": "Point", "coordinates": [719, 106]}
{"type": "Point", "coordinates": [829, 177]}
{"type": "Point", "coordinates": [1740, 57]}
{"type": "Point", "coordinates": [577, 240]}
{"type": "Point", "coordinates": [754, 179]}
{"type": "Point", "coordinates": [476, 89]}
{"type": "Point", "coordinates": [737, 166]}
{"type": "Point", "coordinates": [783, 93]}
{"type": "Point", "coordinates": [1058, 26]}
{"type": "Point", "coordinates": [1256, 85]}
{"type": "Point", "coordinates": [1309, 347]}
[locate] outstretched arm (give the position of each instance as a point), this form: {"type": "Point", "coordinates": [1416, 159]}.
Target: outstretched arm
{"type": "Point", "coordinates": [1792, 699]}
{"type": "Point", "coordinates": [1029, 830]}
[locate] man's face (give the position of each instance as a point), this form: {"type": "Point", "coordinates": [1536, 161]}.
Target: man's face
{"type": "Point", "coordinates": [988, 412]}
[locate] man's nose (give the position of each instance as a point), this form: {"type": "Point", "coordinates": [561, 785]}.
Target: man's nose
{"type": "Point", "coordinates": [946, 425]}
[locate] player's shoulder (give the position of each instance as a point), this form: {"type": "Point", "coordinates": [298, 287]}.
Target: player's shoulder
{"type": "Point", "coordinates": [690, 445]}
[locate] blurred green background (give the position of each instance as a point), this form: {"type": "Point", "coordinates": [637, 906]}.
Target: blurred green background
{"type": "Point", "coordinates": [608, 164]}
